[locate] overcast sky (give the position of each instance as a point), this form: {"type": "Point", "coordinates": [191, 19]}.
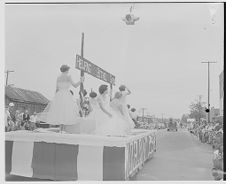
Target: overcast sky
{"type": "Point", "coordinates": [159, 58]}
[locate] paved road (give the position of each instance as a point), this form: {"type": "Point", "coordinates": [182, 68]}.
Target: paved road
{"type": "Point", "coordinates": [179, 156]}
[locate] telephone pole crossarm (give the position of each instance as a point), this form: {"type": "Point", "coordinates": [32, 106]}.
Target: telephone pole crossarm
{"type": "Point", "coordinates": [7, 76]}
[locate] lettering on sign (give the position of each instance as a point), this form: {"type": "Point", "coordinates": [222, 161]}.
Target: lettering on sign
{"type": "Point", "coordinates": [138, 152]}
{"type": "Point", "coordinates": [92, 69]}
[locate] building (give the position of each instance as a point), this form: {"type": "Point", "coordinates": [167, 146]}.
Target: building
{"type": "Point", "coordinates": [145, 119]}
{"type": "Point", "coordinates": [25, 99]}
{"type": "Point", "coordinates": [221, 90]}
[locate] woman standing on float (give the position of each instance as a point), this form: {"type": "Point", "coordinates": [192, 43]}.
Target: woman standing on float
{"type": "Point", "coordinates": [103, 113]}
{"type": "Point", "coordinates": [118, 125]}
{"type": "Point", "coordinates": [62, 109]}
{"type": "Point", "coordinates": [125, 92]}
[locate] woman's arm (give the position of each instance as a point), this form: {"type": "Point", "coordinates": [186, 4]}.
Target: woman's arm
{"type": "Point", "coordinates": [128, 91]}
{"type": "Point", "coordinates": [75, 85]}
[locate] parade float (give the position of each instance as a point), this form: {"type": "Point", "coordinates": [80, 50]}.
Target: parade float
{"type": "Point", "coordinates": [77, 154]}
{"type": "Point", "coordinates": [68, 157]}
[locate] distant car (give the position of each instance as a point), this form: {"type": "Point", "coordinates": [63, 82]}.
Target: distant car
{"type": "Point", "coordinates": [172, 126]}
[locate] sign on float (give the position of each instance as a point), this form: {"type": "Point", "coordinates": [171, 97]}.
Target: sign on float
{"type": "Point", "coordinates": [92, 69]}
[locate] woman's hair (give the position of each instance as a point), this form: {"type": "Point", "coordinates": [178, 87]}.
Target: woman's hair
{"type": "Point", "coordinates": [93, 94]}
{"type": "Point", "coordinates": [64, 68]}
{"type": "Point", "coordinates": [128, 106]}
{"type": "Point", "coordinates": [122, 88]}
{"type": "Point", "coordinates": [103, 88]}
{"type": "Point", "coordinates": [133, 109]}
{"type": "Point", "coordinates": [118, 95]}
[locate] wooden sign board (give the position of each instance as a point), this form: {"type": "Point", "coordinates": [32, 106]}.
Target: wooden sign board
{"type": "Point", "coordinates": [92, 69]}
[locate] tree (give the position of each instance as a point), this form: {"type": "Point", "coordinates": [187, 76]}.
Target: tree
{"type": "Point", "coordinates": [197, 110]}
{"type": "Point", "coordinates": [184, 119]}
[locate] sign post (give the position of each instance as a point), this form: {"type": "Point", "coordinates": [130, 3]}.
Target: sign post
{"type": "Point", "coordinates": [81, 74]}
{"type": "Point", "coordinates": [88, 67]}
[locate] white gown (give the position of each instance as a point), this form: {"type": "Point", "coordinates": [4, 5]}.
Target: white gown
{"type": "Point", "coordinates": [117, 125]}
{"type": "Point", "coordinates": [95, 107]}
{"type": "Point", "coordinates": [63, 108]}
{"type": "Point", "coordinates": [102, 118]}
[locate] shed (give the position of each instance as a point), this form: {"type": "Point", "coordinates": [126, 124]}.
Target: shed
{"type": "Point", "coordinates": [25, 99]}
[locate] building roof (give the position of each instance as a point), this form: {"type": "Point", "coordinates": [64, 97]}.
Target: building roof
{"type": "Point", "coordinates": [23, 95]}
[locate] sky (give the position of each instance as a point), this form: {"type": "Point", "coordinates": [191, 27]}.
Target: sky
{"type": "Point", "coordinates": [158, 59]}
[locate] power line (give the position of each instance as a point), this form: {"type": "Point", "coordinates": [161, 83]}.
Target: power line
{"type": "Point", "coordinates": [143, 109]}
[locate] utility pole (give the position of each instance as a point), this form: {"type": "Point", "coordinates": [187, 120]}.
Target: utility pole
{"type": "Point", "coordinates": [81, 91]}
{"type": "Point", "coordinates": [208, 106]}
{"type": "Point", "coordinates": [143, 109]}
{"type": "Point", "coordinates": [82, 54]}
{"type": "Point", "coordinates": [7, 76]}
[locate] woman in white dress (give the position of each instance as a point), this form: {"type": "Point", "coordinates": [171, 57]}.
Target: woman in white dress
{"type": "Point", "coordinates": [103, 113]}
{"type": "Point", "coordinates": [118, 125]}
{"type": "Point", "coordinates": [93, 105]}
{"type": "Point", "coordinates": [125, 92]}
{"type": "Point", "coordinates": [62, 109]}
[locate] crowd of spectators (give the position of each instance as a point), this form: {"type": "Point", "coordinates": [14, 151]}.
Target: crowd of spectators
{"type": "Point", "coordinates": [212, 134]}
{"type": "Point", "coordinates": [19, 120]}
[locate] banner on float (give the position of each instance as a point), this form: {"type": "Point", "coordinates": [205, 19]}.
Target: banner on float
{"type": "Point", "coordinates": [138, 152]}
{"type": "Point", "coordinates": [94, 70]}
{"type": "Point", "coordinates": [44, 159]}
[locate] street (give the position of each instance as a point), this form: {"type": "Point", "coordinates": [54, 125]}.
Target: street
{"type": "Point", "coordinates": [179, 156]}
{"type": "Point", "coordinates": [113, 91]}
